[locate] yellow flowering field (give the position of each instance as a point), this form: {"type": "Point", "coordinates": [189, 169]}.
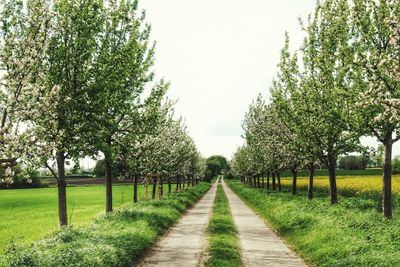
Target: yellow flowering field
{"type": "Point", "coordinates": [359, 184]}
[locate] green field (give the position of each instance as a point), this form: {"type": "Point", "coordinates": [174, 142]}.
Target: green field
{"type": "Point", "coordinates": [28, 214]}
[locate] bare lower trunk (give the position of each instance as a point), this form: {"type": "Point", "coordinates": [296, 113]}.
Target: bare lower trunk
{"type": "Point", "coordinates": [387, 179]}
{"type": "Point", "coordinates": [267, 180]}
{"type": "Point", "coordinates": [273, 181]}
{"type": "Point", "coordinates": [177, 183]}
{"type": "Point", "coordinates": [169, 185]}
{"type": "Point", "coordinates": [258, 182]}
{"type": "Point", "coordinates": [109, 204]}
{"type": "Point", "coordinates": [294, 182]}
{"type": "Point", "coordinates": [263, 182]}
{"type": "Point", "coordinates": [332, 180]}
{"type": "Point", "coordinates": [310, 182]}
{"type": "Point", "coordinates": [135, 188]}
{"type": "Point", "coordinates": [153, 193]}
{"type": "Point", "coordinates": [278, 175]}
{"type": "Point", "coordinates": [62, 190]}
{"type": "Point", "coordinates": [162, 186]}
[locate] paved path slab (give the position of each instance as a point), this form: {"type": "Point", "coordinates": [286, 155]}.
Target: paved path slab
{"type": "Point", "coordinates": [260, 245]}
{"type": "Point", "coordinates": [184, 243]}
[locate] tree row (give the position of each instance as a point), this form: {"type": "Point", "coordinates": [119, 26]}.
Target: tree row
{"type": "Point", "coordinates": [77, 81]}
{"type": "Point", "coordinates": [342, 84]}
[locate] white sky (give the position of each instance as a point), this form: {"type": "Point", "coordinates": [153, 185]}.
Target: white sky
{"type": "Point", "coordinates": [219, 55]}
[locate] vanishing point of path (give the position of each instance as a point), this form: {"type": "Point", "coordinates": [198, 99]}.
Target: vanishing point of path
{"type": "Point", "coordinates": [184, 244]}
{"type": "Point", "coordinates": [260, 245]}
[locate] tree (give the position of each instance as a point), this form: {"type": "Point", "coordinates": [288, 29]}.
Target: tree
{"type": "Point", "coordinates": [353, 162]}
{"type": "Point", "coordinates": [23, 43]}
{"type": "Point", "coordinates": [377, 44]}
{"type": "Point", "coordinates": [216, 164]}
{"type": "Point", "coordinates": [63, 128]}
{"type": "Point", "coordinates": [121, 71]}
{"type": "Point", "coordinates": [325, 108]}
{"type": "Point", "coordinates": [288, 100]}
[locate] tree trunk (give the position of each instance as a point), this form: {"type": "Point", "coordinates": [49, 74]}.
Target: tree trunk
{"type": "Point", "coordinates": [263, 181]}
{"type": "Point", "coordinates": [109, 200]}
{"type": "Point", "coordinates": [62, 190]}
{"type": "Point", "coordinates": [135, 188]}
{"type": "Point", "coordinates": [332, 180]}
{"type": "Point", "coordinates": [278, 175]}
{"type": "Point", "coordinates": [387, 179]}
{"type": "Point", "coordinates": [153, 195]}
{"type": "Point", "coordinates": [258, 182]}
{"type": "Point", "coordinates": [294, 182]}
{"type": "Point", "coordinates": [310, 182]}
{"type": "Point", "coordinates": [268, 181]}
{"type": "Point", "coordinates": [162, 186]}
{"type": "Point", "coordinates": [273, 181]}
{"type": "Point", "coordinates": [177, 183]}
{"type": "Point", "coordinates": [169, 185]}
{"type": "Point", "coordinates": [255, 181]}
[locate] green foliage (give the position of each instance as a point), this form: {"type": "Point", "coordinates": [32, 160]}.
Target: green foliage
{"type": "Point", "coordinates": [351, 233]}
{"type": "Point", "coordinates": [396, 165]}
{"type": "Point", "coordinates": [116, 239]}
{"type": "Point", "coordinates": [216, 164]}
{"type": "Point", "coordinates": [353, 162]}
{"type": "Point", "coordinates": [224, 248]}
{"type": "Point", "coordinates": [117, 168]}
{"type": "Point", "coordinates": [229, 175]}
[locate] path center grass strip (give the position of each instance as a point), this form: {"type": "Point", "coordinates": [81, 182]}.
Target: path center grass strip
{"type": "Point", "coordinates": [224, 248]}
{"type": "Point", "coordinates": [351, 233]}
{"type": "Point", "coordinates": [117, 239]}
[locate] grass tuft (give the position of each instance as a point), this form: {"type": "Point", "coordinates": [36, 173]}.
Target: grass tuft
{"type": "Point", "coordinates": [224, 248]}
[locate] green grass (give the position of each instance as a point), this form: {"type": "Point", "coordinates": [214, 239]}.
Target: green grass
{"type": "Point", "coordinates": [224, 248]}
{"type": "Point", "coordinates": [352, 233]}
{"type": "Point", "coordinates": [28, 214]}
{"type": "Point", "coordinates": [116, 239]}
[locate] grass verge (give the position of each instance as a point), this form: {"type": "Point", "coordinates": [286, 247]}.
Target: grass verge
{"type": "Point", "coordinates": [116, 239]}
{"type": "Point", "coordinates": [224, 248]}
{"type": "Point", "coordinates": [352, 233]}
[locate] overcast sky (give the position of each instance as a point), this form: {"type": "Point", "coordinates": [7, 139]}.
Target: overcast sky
{"type": "Point", "coordinates": [219, 55]}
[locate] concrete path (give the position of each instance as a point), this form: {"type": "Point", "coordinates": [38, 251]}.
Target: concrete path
{"type": "Point", "coordinates": [260, 245]}
{"type": "Point", "coordinates": [185, 242]}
